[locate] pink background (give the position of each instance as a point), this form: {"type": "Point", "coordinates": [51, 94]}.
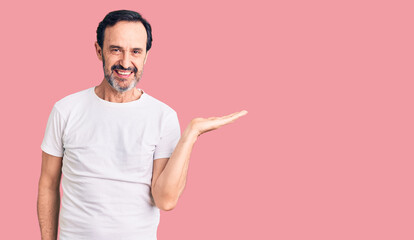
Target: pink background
{"type": "Point", "coordinates": [326, 151]}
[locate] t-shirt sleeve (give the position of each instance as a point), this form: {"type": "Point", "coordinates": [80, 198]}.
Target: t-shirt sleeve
{"type": "Point", "coordinates": [52, 140]}
{"type": "Point", "coordinates": [170, 135]}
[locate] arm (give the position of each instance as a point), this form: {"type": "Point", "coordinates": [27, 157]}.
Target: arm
{"type": "Point", "coordinates": [170, 175]}
{"type": "Point", "coordinates": [48, 200]}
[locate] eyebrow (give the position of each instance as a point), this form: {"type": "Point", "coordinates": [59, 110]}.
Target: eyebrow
{"type": "Point", "coordinates": [115, 46]}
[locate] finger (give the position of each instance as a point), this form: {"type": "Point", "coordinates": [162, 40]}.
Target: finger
{"type": "Point", "coordinates": [235, 115]}
{"type": "Point", "coordinates": [244, 112]}
{"type": "Point", "coordinates": [232, 117]}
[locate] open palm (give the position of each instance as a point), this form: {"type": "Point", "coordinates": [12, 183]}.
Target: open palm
{"type": "Point", "coordinates": [202, 125]}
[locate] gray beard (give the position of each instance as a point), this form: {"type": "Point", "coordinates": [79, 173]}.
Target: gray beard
{"type": "Point", "coordinates": [114, 83]}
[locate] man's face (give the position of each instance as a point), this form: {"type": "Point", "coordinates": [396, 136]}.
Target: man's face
{"type": "Point", "coordinates": [123, 54]}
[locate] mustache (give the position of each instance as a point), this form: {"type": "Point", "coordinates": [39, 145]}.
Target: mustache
{"type": "Point", "coordinates": [119, 67]}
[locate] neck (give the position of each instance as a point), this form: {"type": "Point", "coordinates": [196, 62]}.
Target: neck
{"type": "Point", "coordinates": [108, 93]}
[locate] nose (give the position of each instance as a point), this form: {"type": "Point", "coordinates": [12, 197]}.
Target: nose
{"type": "Point", "coordinates": [125, 61]}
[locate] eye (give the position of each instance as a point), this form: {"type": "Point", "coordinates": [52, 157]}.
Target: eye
{"type": "Point", "coordinates": [115, 50]}
{"type": "Point", "coordinates": [137, 52]}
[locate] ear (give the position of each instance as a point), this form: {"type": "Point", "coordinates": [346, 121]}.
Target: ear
{"type": "Point", "coordinates": [146, 56]}
{"type": "Point", "coordinates": [98, 50]}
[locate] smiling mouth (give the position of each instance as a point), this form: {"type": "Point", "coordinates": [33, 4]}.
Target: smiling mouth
{"type": "Point", "coordinates": [123, 74]}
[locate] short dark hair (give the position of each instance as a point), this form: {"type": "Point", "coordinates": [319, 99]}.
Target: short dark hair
{"type": "Point", "coordinates": [122, 15]}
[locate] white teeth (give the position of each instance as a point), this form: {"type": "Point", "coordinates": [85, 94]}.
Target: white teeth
{"type": "Point", "coordinates": [124, 73]}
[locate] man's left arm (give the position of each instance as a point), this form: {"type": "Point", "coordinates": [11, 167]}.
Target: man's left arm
{"type": "Point", "coordinates": [170, 174]}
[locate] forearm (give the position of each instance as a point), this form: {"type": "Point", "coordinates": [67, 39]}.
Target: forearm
{"type": "Point", "coordinates": [168, 186]}
{"type": "Point", "coordinates": [48, 205]}
{"type": "Point", "coordinates": [171, 182]}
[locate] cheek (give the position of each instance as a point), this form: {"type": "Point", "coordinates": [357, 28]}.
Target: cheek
{"type": "Point", "coordinates": [139, 64]}
{"type": "Point", "coordinates": [107, 69]}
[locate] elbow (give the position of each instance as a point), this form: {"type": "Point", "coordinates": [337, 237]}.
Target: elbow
{"type": "Point", "coordinates": [167, 205]}
{"type": "Point", "coordinates": [48, 184]}
{"type": "Point", "coordinates": [165, 201]}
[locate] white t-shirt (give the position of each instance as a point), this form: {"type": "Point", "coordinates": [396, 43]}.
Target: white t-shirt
{"type": "Point", "coordinates": [108, 151]}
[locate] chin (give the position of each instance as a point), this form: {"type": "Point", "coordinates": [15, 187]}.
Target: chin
{"type": "Point", "coordinates": [124, 89]}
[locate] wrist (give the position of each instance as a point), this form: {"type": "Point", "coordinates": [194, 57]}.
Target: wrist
{"type": "Point", "coordinates": [190, 134]}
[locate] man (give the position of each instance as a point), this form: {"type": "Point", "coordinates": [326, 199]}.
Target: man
{"type": "Point", "coordinates": [119, 149]}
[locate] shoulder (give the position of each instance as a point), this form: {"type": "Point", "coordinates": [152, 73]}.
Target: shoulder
{"type": "Point", "coordinates": [166, 115]}
{"type": "Point", "coordinates": [69, 102]}
{"type": "Point", "coordinates": [158, 105]}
